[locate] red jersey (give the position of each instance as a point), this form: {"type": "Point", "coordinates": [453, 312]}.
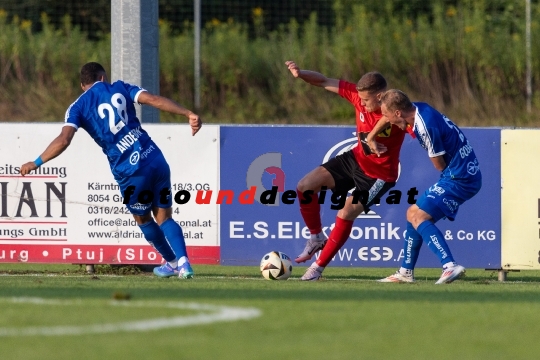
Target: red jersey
{"type": "Point", "coordinates": [386, 166]}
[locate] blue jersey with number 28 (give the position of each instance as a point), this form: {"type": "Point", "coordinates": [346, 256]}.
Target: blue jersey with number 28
{"type": "Point", "coordinates": [107, 113]}
{"type": "Point", "coordinates": [440, 137]}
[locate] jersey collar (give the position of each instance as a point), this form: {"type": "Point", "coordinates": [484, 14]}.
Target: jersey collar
{"type": "Point", "coordinates": [410, 128]}
{"type": "Point", "coordinates": [93, 85]}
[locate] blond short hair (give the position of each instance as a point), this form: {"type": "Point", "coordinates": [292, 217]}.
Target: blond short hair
{"type": "Point", "coordinates": [395, 99]}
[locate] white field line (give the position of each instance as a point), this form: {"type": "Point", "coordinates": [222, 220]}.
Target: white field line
{"type": "Point", "coordinates": [206, 314]}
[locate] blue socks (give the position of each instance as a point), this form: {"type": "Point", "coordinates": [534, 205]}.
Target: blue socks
{"type": "Point", "coordinates": [411, 248]}
{"type": "Point", "coordinates": [155, 237]}
{"type": "Point", "coordinates": [433, 237]}
{"type": "Point", "coordinates": [167, 239]}
{"type": "Point", "coordinates": [175, 237]}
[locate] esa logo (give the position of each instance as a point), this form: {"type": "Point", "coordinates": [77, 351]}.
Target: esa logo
{"type": "Point", "coordinates": [268, 163]}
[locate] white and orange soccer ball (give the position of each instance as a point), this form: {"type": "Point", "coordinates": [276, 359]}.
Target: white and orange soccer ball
{"type": "Point", "coordinates": [276, 266]}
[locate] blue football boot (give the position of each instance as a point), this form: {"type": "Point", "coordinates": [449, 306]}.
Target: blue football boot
{"type": "Point", "coordinates": [166, 270]}
{"type": "Point", "coordinates": [185, 271]}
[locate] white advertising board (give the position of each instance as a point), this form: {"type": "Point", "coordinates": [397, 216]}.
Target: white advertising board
{"type": "Point", "coordinates": [70, 210]}
{"type": "Point", "coordinates": [520, 245]}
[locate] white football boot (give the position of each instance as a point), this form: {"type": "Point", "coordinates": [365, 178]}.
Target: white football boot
{"type": "Point", "coordinates": [450, 274]}
{"type": "Point", "coordinates": [314, 244]}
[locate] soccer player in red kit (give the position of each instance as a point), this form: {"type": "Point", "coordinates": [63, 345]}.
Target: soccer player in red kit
{"type": "Point", "coordinates": [357, 168]}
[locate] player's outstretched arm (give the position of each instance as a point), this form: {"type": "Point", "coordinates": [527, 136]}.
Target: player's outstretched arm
{"type": "Point", "coordinates": [55, 148]}
{"type": "Point", "coordinates": [313, 77]}
{"type": "Point", "coordinates": [166, 104]}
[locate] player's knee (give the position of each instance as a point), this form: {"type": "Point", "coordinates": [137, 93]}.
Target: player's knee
{"type": "Point", "coordinates": [412, 213]}
{"type": "Point", "coordinates": [417, 216]}
{"type": "Point", "coordinates": [316, 180]}
{"type": "Point", "coordinates": [130, 190]}
{"type": "Point", "coordinates": [350, 211]}
{"type": "Point", "coordinates": [143, 219]}
{"type": "Point", "coordinates": [304, 184]}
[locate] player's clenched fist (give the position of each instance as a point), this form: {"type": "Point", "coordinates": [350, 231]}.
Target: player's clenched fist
{"type": "Point", "coordinates": [293, 68]}
{"type": "Point", "coordinates": [27, 168]}
{"type": "Point", "coordinates": [195, 122]}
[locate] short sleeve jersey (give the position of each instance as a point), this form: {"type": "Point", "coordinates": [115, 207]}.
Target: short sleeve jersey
{"type": "Point", "coordinates": [441, 137]}
{"type": "Point", "coordinates": [107, 112]}
{"type": "Point", "coordinates": [385, 167]}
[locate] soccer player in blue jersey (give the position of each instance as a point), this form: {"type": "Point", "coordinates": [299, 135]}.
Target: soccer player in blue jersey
{"type": "Point", "coordinates": [453, 155]}
{"type": "Point", "coordinates": [107, 112]}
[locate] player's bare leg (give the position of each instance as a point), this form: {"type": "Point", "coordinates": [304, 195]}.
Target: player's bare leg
{"type": "Point", "coordinates": [316, 179]}
{"type": "Point", "coordinates": [350, 211]}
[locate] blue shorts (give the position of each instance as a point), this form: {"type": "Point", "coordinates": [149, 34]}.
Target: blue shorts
{"type": "Point", "coordinates": [152, 181]}
{"type": "Point", "coordinates": [445, 197]}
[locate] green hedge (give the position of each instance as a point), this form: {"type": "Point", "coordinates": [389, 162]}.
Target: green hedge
{"type": "Point", "coordinates": [467, 59]}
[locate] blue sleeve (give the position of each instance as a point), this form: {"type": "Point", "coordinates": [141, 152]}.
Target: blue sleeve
{"type": "Point", "coordinates": [73, 115]}
{"type": "Point", "coordinates": [434, 143]}
{"type": "Point", "coordinates": [133, 91]}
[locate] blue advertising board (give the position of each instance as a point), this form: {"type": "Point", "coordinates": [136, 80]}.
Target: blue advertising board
{"type": "Point", "coordinates": [266, 156]}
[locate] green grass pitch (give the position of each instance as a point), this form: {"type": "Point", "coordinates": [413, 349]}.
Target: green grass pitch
{"type": "Point", "coordinates": [59, 312]}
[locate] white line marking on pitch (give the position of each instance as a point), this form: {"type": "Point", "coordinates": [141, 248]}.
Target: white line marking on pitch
{"type": "Point", "coordinates": [207, 314]}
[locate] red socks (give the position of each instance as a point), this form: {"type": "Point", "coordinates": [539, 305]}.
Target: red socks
{"type": "Point", "coordinates": [337, 238]}
{"type": "Point", "coordinates": [311, 213]}
{"type": "Point", "coordinates": [339, 235]}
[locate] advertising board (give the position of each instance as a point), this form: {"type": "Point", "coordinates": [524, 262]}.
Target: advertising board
{"type": "Point", "coordinates": [280, 156]}
{"type": "Point", "coordinates": [520, 245]}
